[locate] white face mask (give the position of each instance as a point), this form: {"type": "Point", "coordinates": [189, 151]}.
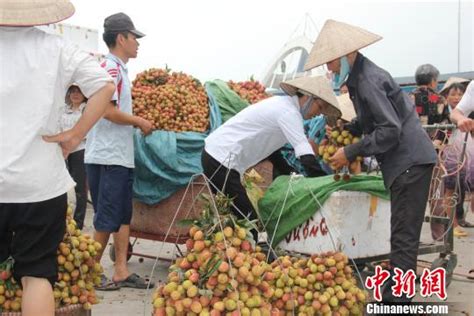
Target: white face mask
{"type": "Point", "coordinates": [305, 108]}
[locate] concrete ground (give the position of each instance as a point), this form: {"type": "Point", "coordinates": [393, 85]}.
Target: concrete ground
{"type": "Point", "coordinates": [128, 302]}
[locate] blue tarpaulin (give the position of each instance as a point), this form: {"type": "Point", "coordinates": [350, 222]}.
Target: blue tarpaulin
{"type": "Point", "coordinates": [315, 130]}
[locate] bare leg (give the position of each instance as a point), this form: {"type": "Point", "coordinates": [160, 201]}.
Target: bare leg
{"type": "Point", "coordinates": [38, 299]}
{"type": "Point", "coordinates": [437, 204]}
{"type": "Point", "coordinates": [471, 204]}
{"type": "Point", "coordinates": [103, 239]}
{"type": "Point", "coordinates": [450, 205]}
{"type": "Point", "coordinates": [121, 239]}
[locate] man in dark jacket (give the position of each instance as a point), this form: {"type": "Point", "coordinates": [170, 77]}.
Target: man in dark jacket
{"type": "Point", "coordinates": [392, 133]}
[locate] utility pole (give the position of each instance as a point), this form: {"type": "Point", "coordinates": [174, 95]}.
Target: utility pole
{"type": "Point", "coordinates": [459, 35]}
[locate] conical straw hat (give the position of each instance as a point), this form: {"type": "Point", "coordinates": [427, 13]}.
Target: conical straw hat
{"type": "Point", "coordinates": [450, 81]}
{"type": "Point", "coordinates": [346, 106]}
{"type": "Point", "coordinates": [317, 86]}
{"type": "Point", "coordinates": [34, 12]}
{"type": "Point", "coordinates": [338, 39]}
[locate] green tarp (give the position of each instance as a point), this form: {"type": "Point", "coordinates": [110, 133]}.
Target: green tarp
{"type": "Point", "coordinates": [229, 102]}
{"type": "Point", "coordinates": [303, 199]}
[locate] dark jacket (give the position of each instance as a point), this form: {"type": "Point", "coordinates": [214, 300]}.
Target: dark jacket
{"type": "Point", "coordinates": [387, 118]}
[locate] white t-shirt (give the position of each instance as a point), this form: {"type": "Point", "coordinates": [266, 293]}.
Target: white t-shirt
{"type": "Point", "coordinates": [466, 105]}
{"type": "Point", "coordinates": [35, 71]}
{"type": "Point", "coordinates": [69, 118]}
{"type": "Point", "coordinates": [257, 131]}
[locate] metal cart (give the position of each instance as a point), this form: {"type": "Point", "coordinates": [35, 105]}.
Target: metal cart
{"type": "Point", "coordinates": [445, 248]}
{"type": "Point", "coordinates": [160, 222]}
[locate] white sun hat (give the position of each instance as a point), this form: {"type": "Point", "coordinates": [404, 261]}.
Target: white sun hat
{"type": "Point", "coordinates": [346, 106]}
{"type": "Point", "coordinates": [317, 86]}
{"type": "Point", "coordinates": [34, 12]}
{"type": "Point", "coordinates": [450, 81]}
{"type": "Point", "coordinates": [338, 39]}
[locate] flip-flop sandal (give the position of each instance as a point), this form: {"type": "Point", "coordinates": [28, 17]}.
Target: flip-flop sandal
{"type": "Point", "coordinates": [135, 282]}
{"type": "Point", "coordinates": [107, 284]}
{"type": "Point", "coordinates": [459, 233]}
{"type": "Point", "coordinates": [471, 274]}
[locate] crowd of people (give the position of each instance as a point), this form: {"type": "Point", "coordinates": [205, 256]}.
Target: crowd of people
{"type": "Point", "coordinates": [391, 124]}
{"type": "Point", "coordinates": [82, 112]}
{"type": "Point", "coordinates": [435, 107]}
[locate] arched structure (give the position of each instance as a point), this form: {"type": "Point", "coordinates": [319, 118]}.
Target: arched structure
{"type": "Point", "coordinates": [289, 63]}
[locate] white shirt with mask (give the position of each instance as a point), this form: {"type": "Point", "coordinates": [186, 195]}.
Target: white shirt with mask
{"type": "Point", "coordinates": [36, 70]}
{"type": "Point", "coordinates": [257, 131]}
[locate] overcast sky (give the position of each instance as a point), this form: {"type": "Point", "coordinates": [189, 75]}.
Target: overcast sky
{"type": "Point", "coordinates": [236, 39]}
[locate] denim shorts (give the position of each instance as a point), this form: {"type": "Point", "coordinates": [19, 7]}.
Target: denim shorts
{"type": "Point", "coordinates": [111, 191]}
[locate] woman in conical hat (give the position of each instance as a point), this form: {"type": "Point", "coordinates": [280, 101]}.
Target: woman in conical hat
{"type": "Point", "coordinates": [261, 129]}
{"type": "Point", "coordinates": [453, 80]}
{"type": "Point", "coordinates": [392, 132]}
{"type": "Point", "coordinates": [453, 90]}
{"type": "Point", "coordinates": [284, 160]}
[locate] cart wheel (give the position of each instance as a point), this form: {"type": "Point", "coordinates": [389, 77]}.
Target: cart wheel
{"type": "Point", "coordinates": [112, 252]}
{"type": "Point", "coordinates": [449, 263]}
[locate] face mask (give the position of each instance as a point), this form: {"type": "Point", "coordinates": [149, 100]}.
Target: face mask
{"type": "Point", "coordinates": [339, 78]}
{"type": "Point", "coordinates": [305, 108]}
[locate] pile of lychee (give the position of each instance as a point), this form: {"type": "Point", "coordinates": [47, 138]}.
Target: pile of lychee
{"type": "Point", "coordinates": [10, 291]}
{"type": "Point", "coordinates": [251, 90]}
{"type": "Point", "coordinates": [223, 273]}
{"type": "Point", "coordinates": [78, 272]}
{"type": "Point", "coordinates": [320, 285]}
{"type": "Point", "coordinates": [171, 101]}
